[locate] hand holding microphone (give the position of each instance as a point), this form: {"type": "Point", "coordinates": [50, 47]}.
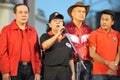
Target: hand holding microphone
{"type": "Point", "coordinates": [61, 28]}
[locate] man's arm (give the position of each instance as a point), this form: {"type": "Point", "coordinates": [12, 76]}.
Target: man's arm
{"type": "Point", "coordinates": [37, 60]}
{"type": "Point", "coordinates": [118, 56]}
{"type": "Point", "coordinates": [112, 65]}
{"type": "Point", "coordinates": [95, 56]}
{"type": "Point", "coordinates": [4, 60]}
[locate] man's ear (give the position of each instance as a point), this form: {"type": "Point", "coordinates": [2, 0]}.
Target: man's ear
{"type": "Point", "coordinates": [113, 22]}
{"type": "Point", "coordinates": [14, 15]}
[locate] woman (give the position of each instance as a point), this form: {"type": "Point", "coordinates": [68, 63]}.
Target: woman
{"type": "Point", "coordinates": [57, 51]}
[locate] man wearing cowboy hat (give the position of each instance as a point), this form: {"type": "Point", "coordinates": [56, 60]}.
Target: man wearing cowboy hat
{"type": "Point", "coordinates": [79, 33]}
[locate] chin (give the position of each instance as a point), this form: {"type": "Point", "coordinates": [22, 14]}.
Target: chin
{"type": "Point", "coordinates": [105, 28]}
{"type": "Point", "coordinates": [23, 21]}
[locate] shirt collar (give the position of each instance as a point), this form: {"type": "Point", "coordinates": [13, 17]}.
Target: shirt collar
{"type": "Point", "coordinates": [73, 25]}
{"type": "Point", "coordinates": [101, 30]}
{"type": "Point", "coordinates": [15, 26]}
{"type": "Point", "coordinates": [51, 33]}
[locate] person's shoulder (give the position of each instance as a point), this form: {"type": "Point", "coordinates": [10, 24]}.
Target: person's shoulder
{"type": "Point", "coordinates": [68, 24]}
{"type": "Point", "coordinates": [115, 32]}
{"type": "Point", "coordinates": [44, 34]}
{"type": "Point", "coordinates": [87, 26]}
{"type": "Point", "coordinates": [6, 27]}
{"type": "Point", "coordinates": [31, 27]}
{"type": "Point", "coordinates": [95, 31]}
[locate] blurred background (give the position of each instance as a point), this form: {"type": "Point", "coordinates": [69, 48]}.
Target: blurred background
{"type": "Point", "coordinates": [41, 9]}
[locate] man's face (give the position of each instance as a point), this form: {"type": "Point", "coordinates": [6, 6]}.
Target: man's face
{"type": "Point", "coordinates": [21, 14]}
{"type": "Point", "coordinates": [106, 21]}
{"type": "Point", "coordinates": [79, 13]}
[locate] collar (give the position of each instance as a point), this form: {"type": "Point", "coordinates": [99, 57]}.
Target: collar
{"type": "Point", "coordinates": [103, 31]}
{"type": "Point", "coordinates": [15, 26]}
{"type": "Point", "coordinates": [73, 25]}
{"type": "Point", "coordinates": [50, 33]}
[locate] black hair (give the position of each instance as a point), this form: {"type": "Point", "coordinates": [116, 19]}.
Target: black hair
{"type": "Point", "coordinates": [109, 12]}
{"type": "Point", "coordinates": [48, 28]}
{"type": "Point", "coordinates": [15, 7]}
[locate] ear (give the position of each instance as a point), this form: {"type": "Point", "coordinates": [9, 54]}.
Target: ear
{"type": "Point", "coordinates": [14, 15]}
{"type": "Point", "coordinates": [113, 22]}
{"type": "Point", "coordinates": [49, 25]}
{"type": "Point", "coordinates": [72, 13]}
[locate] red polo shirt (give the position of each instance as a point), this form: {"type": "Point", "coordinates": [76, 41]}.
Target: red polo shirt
{"type": "Point", "coordinates": [106, 46]}
{"type": "Point", "coordinates": [25, 51]}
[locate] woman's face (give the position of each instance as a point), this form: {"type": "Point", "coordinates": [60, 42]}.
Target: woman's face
{"type": "Point", "coordinates": [55, 23]}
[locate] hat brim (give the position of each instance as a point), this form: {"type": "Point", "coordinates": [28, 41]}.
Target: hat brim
{"type": "Point", "coordinates": [73, 6]}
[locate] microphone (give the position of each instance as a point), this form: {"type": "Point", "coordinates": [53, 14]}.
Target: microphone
{"type": "Point", "coordinates": [63, 29]}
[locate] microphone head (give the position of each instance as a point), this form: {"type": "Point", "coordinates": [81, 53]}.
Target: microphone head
{"type": "Point", "coordinates": [64, 30]}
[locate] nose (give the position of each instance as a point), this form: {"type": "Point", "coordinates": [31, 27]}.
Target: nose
{"type": "Point", "coordinates": [104, 21]}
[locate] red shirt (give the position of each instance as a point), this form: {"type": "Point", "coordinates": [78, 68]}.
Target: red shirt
{"type": "Point", "coordinates": [25, 51]}
{"type": "Point", "coordinates": [82, 48]}
{"type": "Point", "coordinates": [10, 49]}
{"type": "Point", "coordinates": [118, 71]}
{"type": "Point", "coordinates": [106, 46]}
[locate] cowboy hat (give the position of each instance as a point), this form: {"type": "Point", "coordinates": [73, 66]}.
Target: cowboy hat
{"type": "Point", "coordinates": [78, 4]}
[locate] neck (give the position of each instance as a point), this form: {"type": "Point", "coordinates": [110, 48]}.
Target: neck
{"type": "Point", "coordinates": [21, 25]}
{"type": "Point", "coordinates": [54, 32]}
{"type": "Point", "coordinates": [78, 23]}
{"type": "Point", "coordinates": [107, 30]}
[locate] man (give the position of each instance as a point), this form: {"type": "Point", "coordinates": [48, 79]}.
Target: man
{"type": "Point", "coordinates": [104, 48]}
{"type": "Point", "coordinates": [19, 48]}
{"type": "Point", "coordinates": [79, 32]}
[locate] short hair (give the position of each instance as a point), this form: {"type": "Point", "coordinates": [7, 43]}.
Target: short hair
{"type": "Point", "coordinates": [109, 12]}
{"type": "Point", "coordinates": [15, 7]}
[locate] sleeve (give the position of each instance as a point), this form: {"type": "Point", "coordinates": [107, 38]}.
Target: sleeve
{"type": "Point", "coordinates": [44, 37]}
{"type": "Point", "coordinates": [92, 39]}
{"type": "Point", "coordinates": [37, 57]}
{"type": "Point", "coordinates": [4, 59]}
{"type": "Point", "coordinates": [89, 30]}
